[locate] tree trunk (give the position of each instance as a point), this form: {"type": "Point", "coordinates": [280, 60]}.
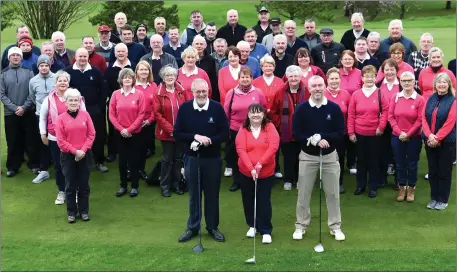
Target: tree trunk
{"type": "Point", "coordinates": [448, 4]}
{"type": "Point", "coordinates": [402, 10]}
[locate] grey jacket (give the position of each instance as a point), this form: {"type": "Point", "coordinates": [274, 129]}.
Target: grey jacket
{"type": "Point", "coordinates": [14, 88]}
{"type": "Point", "coordinates": [268, 42]}
{"type": "Point", "coordinates": [165, 59]}
{"type": "Point", "coordinates": [39, 88]}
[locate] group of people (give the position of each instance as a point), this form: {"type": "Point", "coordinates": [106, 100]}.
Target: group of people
{"type": "Point", "coordinates": [365, 103]}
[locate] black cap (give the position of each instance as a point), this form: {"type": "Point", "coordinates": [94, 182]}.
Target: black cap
{"type": "Point", "coordinates": [263, 9]}
{"type": "Point", "coordinates": [326, 30]}
{"type": "Point", "coordinates": [275, 21]}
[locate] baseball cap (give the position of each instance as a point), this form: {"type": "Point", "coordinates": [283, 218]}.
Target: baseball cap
{"type": "Point", "coordinates": [104, 28]}
{"type": "Point", "coordinates": [326, 30]}
{"type": "Point", "coordinates": [263, 9]}
{"type": "Point", "coordinates": [275, 21]}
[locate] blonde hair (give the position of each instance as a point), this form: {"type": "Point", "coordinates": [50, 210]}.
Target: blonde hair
{"type": "Point", "coordinates": [448, 80]}
{"type": "Point", "coordinates": [267, 59]}
{"type": "Point", "coordinates": [145, 64]}
{"type": "Point", "coordinates": [333, 70]}
{"type": "Point", "coordinates": [126, 72]}
{"type": "Point", "coordinates": [191, 52]}
{"type": "Point", "coordinates": [71, 92]}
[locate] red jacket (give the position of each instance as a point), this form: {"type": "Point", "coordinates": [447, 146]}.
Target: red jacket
{"type": "Point", "coordinates": [261, 150]}
{"type": "Point", "coordinates": [225, 82]}
{"type": "Point", "coordinates": [270, 93]}
{"type": "Point", "coordinates": [96, 60]}
{"type": "Point", "coordinates": [426, 77]}
{"type": "Point", "coordinates": [165, 109]}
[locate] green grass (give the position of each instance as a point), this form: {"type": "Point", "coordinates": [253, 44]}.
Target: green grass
{"type": "Point", "coordinates": [141, 234]}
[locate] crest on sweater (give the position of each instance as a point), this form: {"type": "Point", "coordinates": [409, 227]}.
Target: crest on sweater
{"type": "Point", "coordinates": [211, 121]}
{"type": "Point", "coordinates": [329, 117]}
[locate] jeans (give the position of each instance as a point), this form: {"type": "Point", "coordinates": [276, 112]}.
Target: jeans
{"type": "Point", "coordinates": [407, 159]}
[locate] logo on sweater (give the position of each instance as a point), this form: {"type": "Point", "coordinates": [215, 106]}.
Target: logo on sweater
{"type": "Point", "coordinates": [329, 117]}
{"type": "Point", "coordinates": [84, 123]}
{"type": "Point", "coordinates": [133, 102]}
{"type": "Point", "coordinates": [91, 78]}
{"type": "Point", "coordinates": [253, 98]}
{"type": "Point", "coordinates": [412, 107]}
{"type": "Point", "coordinates": [211, 121]}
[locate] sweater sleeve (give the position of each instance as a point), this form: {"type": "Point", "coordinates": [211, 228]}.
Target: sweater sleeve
{"type": "Point", "coordinates": [298, 125]}
{"type": "Point", "coordinates": [90, 137]}
{"type": "Point", "coordinates": [44, 117]}
{"type": "Point", "coordinates": [228, 97]}
{"type": "Point", "coordinates": [222, 128]}
{"type": "Point", "coordinates": [113, 113]}
{"type": "Point", "coordinates": [61, 136]}
{"type": "Point", "coordinates": [351, 114]}
{"type": "Point", "coordinates": [241, 146]}
{"type": "Point", "coordinates": [179, 132]}
{"type": "Point", "coordinates": [32, 93]}
{"type": "Point", "coordinates": [28, 102]}
{"type": "Point", "coordinates": [140, 116]}
{"type": "Point", "coordinates": [210, 88]}
{"type": "Point", "coordinates": [392, 121]}
{"type": "Point", "coordinates": [273, 144]}
{"type": "Point", "coordinates": [448, 124]}
{"type": "Point", "coordinates": [425, 126]}
{"type": "Point", "coordinates": [4, 97]}
{"type": "Point", "coordinates": [417, 125]}
{"type": "Point", "coordinates": [220, 85]}
{"type": "Point", "coordinates": [420, 81]}
{"type": "Point", "coordinates": [380, 75]}
{"type": "Point", "coordinates": [385, 112]}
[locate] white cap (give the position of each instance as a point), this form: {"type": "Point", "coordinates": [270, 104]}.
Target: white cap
{"type": "Point", "coordinates": [14, 50]}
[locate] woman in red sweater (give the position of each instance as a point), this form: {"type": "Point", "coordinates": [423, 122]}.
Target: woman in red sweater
{"type": "Point", "coordinates": [256, 143]}
{"type": "Point", "coordinates": [342, 98]}
{"type": "Point", "coordinates": [428, 74]}
{"type": "Point", "coordinates": [169, 98]}
{"type": "Point", "coordinates": [405, 118]}
{"type": "Point", "coordinates": [189, 71]}
{"type": "Point", "coordinates": [126, 113]}
{"type": "Point", "coordinates": [397, 53]}
{"type": "Point", "coordinates": [237, 102]}
{"type": "Point", "coordinates": [75, 135]}
{"type": "Point", "coordinates": [367, 119]}
{"type": "Point", "coordinates": [228, 76]}
{"type": "Point", "coordinates": [350, 76]}
{"type": "Point", "coordinates": [439, 131]}
{"type": "Point", "coordinates": [304, 60]}
{"type": "Point", "coordinates": [145, 83]}
{"type": "Point", "coordinates": [270, 85]}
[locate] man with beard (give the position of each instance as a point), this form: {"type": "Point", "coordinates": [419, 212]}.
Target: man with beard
{"type": "Point", "coordinates": [210, 36]}
{"type": "Point", "coordinates": [202, 126]}
{"type": "Point", "coordinates": [136, 50]}
{"type": "Point", "coordinates": [282, 59]}
{"type": "Point", "coordinates": [232, 32]}
{"type": "Point", "coordinates": [196, 27]}
{"type": "Point", "coordinates": [262, 28]}
{"type": "Point", "coordinates": [207, 63]}
{"type": "Point", "coordinates": [396, 35]}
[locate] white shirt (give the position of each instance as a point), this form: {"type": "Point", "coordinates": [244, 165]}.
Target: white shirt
{"type": "Point", "coordinates": [268, 80]}
{"type": "Point", "coordinates": [304, 74]}
{"type": "Point", "coordinates": [194, 72]}
{"type": "Point", "coordinates": [358, 34]}
{"type": "Point", "coordinates": [110, 45]}
{"type": "Point", "coordinates": [205, 107]}
{"type": "Point", "coordinates": [402, 94]}
{"type": "Point", "coordinates": [125, 93]}
{"type": "Point", "coordinates": [312, 104]}
{"type": "Point", "coordinates": [390, 86]}
{"type": "Point", "coordinates": [117, 64]}
{"type": "Point", "coordinates": [234, 72]}
{"type": "Point", "coordinates": [143, 85]}
{"type": "Point", "coordinates": [367, 57]}
{"type": "Point", "coordinates": [369, 91]}
{"type": "Point", "coordinates": [88, 67]}
{"type": "Point", "coordinates": [256, 132]}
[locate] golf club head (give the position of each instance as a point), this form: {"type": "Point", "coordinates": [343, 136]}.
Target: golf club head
{"type": "Point", "coordinates": [319, 248]}
{"type": "Point", "coordinates": [198, 248]}
{"type": "Point", "coordinates": [250, 261]}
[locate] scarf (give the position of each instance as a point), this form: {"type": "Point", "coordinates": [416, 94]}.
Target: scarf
{"type": "Point", "coordinates": [244, 89]}
{"type": "Point", "coordinates": [286, 130]}
{"type": "Point", "coordinates": [53, 112]}
{"type": "Point", "coordinates": [436, 69]}
{"type": "Point", "coordinates": [73, 113]}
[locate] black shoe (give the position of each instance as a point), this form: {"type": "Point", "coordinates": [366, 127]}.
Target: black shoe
{"type": "Point", "coordinates": [149, 153]}
{"type": "Point", "coordinates": [166, 193]}
{"type": "Point", "coordinates": [35, 171]}
{"type": "Point", "coordinates": [235, 187]}
{"type": "Point", "coordinates": [178, 191]}
{"type": "Point", "coordinates": [383, 184]}
{"type": "Point", "coordinates": [372, 194]}
{"type": "Point", "coordinates": [187, 235]}
{"type": "Point", "coordinates": [217, 235]}
{"type": "Point", "coordinates": [342, 189]}
{"type": "Point", "coordinates": [359, 191]}
{"type": "Point", "coordinates": [121, 192]}
{"type": "Point", "coordinates": [110, 158]}
{"type": "Point", "coordinates": [143, 175]}
{"type": "Point", "coordinates": [85, 217]}
{"type": "Point", "coordinates": [133, 192]}
{"type": "Point", "coordinates": [10, 173]}
{"type": "Point", "coordinates": [71, 219]}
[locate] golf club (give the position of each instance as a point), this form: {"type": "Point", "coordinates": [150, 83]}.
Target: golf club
{"type": "Point", "coordinates": [199, 248]}
{"type": "Point", "coordinates": [252, 260]}
{"type": "Point", "coordinates": [320, 248]}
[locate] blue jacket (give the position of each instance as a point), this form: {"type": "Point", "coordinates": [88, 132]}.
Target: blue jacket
{"type": "Point", "coordinates": [407, 43]}
{"type": "Point", "coordinates": [259, 51]}
{"type": "Point", "coordinates": [444, 105]}
{"type": "Point", "coordinates": [253, 64]}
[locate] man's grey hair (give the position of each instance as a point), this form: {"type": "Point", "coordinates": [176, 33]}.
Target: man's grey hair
{"type": "Point", "coordinates": [197, 81]}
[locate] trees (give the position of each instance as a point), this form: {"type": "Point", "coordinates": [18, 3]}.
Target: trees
{"type": "Point", "coordinates": [8, 14]}
{"type": "Point", "coordinates": [448, 4]}
{"type": "Point", "coordinates": [45, 17]}
{"type": "Point", "coordinates": [371, 9]}
{"type": "Point", "coordinates": [136, 12]}
{"type": "Point", "coordinates": [301, 9]}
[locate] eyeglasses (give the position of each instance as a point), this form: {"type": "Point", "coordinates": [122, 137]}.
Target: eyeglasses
{"type": "Point", "coordinates": [317, 85]}
{"type": "Point", "coordinates": [406, 81]}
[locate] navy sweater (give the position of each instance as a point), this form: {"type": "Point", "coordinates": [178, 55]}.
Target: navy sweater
{"type": "Point", "coordinates": [328, 121]}
{"type": "Point", "coordinates": [175, 53]}
{"type": "Point", "coordinates": [212, 123]}
{"type": "Point", "coordinates": [136, 52]}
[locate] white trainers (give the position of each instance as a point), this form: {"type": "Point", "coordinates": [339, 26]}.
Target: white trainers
{"type": "Point", "coordinates": [60, 200]}
{"type": "Point", "coordinates": [298, 234]}
{"type": "Point", "coordinates": [102, 168]}
{"type": "Point", "coordinates": [353, 171]}
{"type": "Point", "coordinates": [182, 171]}
{"type": "Point", "coordinates": [42, 176]}
{"type": "Point", "coordinates": [266, 239]}
{"type": "Point", "coordinates": [426, 177]}
{"type": "Point", "coordinates": [228, 172]}
{"type": "Point", "coordinates": [339, 235]}
{"type": "Point", "coordinates": [250, 233]}
{"type": "Point", "coordinates": [287, 186]}
{"type": "Point", "coordinates": [278, 175]}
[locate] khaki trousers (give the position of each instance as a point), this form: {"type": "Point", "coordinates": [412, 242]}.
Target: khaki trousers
{"type": "Point", "coordinates": [308, 170]}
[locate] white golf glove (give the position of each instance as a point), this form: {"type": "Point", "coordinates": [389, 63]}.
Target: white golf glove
{"type": "Point", "coordinates": [195, 145]}
{"type": "Point", "coordinates": [314, 140]}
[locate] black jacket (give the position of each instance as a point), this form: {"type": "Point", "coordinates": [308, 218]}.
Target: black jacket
{"type": "Point", "coordinates": [260, 32]}
{"type": "Point", "coordinates": [232, 36]}
{"type": "Point", "coordinates": [115, 36]}
{"type": "Point", "coordinates": [208, 64]}
{"type": "Point", "coordinates": [327, 56]}
{"type": "Point", "coordinates": [299, 43]}
{"type": "Point", "coordinates": [348, 38]}
{"type": "Point", "coordinates": [281, 65]}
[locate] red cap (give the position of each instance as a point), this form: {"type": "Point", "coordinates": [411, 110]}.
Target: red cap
{"type": "Point", "coordinates": [104, 28]}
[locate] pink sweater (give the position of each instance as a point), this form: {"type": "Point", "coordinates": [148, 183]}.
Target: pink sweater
{"type": "Point", "coordinates": [75, 133]}
{"type": "Point", "coordinates": [363, 114]}
{"type": "Point", "coordinates": [402, 67]}
{"type": "Point", "coordinates": [241, 102]}
{"type": "Point", "coordinates": [352, 81]}
{"type": "Point", "coordinates": [127, 112]}
{"type": "Point", "coordinates": [342, 99]}
{"type": "Point", "coordinates": [186, 81]}
{"type": "Point", "coordinates": [405, 114]}
{"type": "Point", "coordinates": [148, 93]}
{"type": "Point", "coordinates": [389, 94]}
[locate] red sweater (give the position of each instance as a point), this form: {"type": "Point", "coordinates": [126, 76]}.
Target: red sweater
{"type": "Point", "coordinates": [127, 112]}
{"type": "Point", "coordinates": [402, 67]}
{"type": "Point", "coordinates": [186, 81]}
{"type": "Point", "coordinates": [148, 94]}
{"type": "Point", "coordinates": [225, 82]}
{"type": "Point", "coordinates": [389, 94]}
{"type": "Point", "coordinates": [240, 105]}
{"type": "Point", "coordinates": [276, 86]}
{"type": "Point", "coordinates": [363, 114]}
{"type": "Point", "coordinates": [405, 114]}
{"type": "Point", "coordinates": [95, 60]}
{"type": "Point", "coordinates": [342, 98]}
{"type": "Point", "coordinates": [351, 81]}
{"type": "Point", "coordinates": [445, 129]}
{"type": "Point", "coordinates": [261, 150]}
{"type": "Point", "coordinates": [75, 133]}
{"type": "Point", "coordinates": [426, 77]}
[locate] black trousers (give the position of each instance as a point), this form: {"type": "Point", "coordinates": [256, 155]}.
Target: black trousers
{"type": "Point", "coordinates": [152, 139]}
{"type": "Point", "coordinates": [368, 153]}
{"type": "Point", "coordinates": [170, 174]}
{"type": "Point", "coordinates": [21, 135]}
{"type": "Point", "coordinates": [130, 157]}
{"type": "Point", "coordinates": [231, 156]}
{"type": "Point", "coordinates": [440, 161]}
{"type": "Point", "coordinates": [277, 166]}
{"type": "Point", "coordinates": [55, 152]}
{"type": "Point", "coordinates": [341, 150]}
{"type": "Point", "coordinates": [264, 211]}
{"type": "Point", "coordinates": [98, 148]}
{"type": "Point", "coordinates": [111, 141]}
{"type": "Point", "coordinates": [45, 154]}
{"type": "Point", "coordinates": [290, 152]}
{"type": "Point", "coordinates": [76, 181]}
{"type": "Point", "coordinates": [387, 154]}
{"type": "Point", "coordinates": [351, 153]}
{"type": "Point", "coordinates": [210, 183]}
{"type": "Point", "coordinates": [146, 136]}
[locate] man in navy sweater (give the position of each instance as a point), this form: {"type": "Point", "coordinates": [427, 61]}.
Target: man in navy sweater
{"type": "Point", "coordinates": [318, 124]}
{"type": "Point", "coordinates": [135, 50]}
{"type": "Point", "coordinates": [202, 126]}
